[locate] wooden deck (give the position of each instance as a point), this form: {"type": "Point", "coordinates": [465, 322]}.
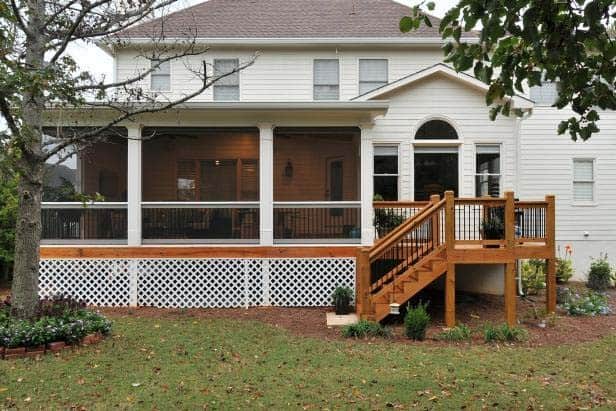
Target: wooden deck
{"type": "Point", "coordinates": [451, 231]}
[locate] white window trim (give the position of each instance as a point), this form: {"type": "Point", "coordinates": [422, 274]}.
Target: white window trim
{"type": "Point", "coordinates": [239, 78]}
{"type": "Point", "coordinates": [398, 154]}
{"type": "Point", "coordinates": [154, 74]}
{"type": "Point", "coordinates": [500, 166]}
{"type": "Point", "coordinates": [339, 77]}
{"type": "Point", "coordinates": [371, 58]}
{"type": "Point", "coordinates": [594, 201]}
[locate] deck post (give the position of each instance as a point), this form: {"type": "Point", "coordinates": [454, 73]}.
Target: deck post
{"type": "Point", "coordinates": [550, 234]}
{"type": "Point", "coordinates": [450, 295]}
{"type": "Point", "coordinates": [436, 229]}
{"type": "Point", "coordinates": [510, 294]}
{"type": "Point", "coordinates": [450, 221]}
{"type": "Point", "coordinates": [509, 220]}
{"type": "Point", "coordinates": [367, 184]}
{"type": "Point", "coordinates": [363, 306]}
{"type": "Point", "coordinates": [133, 186]}
{"type": "Point", "coordinates": [266, 183]}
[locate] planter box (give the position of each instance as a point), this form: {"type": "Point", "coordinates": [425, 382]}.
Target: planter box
{"type": "Point", "coordinates": [91, 339]}
{"type": "Point", "coordinates": [37, 351]}
{"type": "Point", "coordinates": [1, 353]}
{"type": "Point", "coordinates": [12, 353]}
{"type": "Point", "coordinates": [56, 346]}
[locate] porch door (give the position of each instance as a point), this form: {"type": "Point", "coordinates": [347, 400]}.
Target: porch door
{"type": "Point", "coordinates": [436, 171]}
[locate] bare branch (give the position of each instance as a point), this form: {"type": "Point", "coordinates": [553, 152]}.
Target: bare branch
{"type": "Point", "coordinates": [18, 19]}
{"type": "Point", "coordinates": [5, 109]}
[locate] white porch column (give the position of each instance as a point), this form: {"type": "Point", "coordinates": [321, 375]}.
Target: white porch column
{"type": "Point", "coordinates": [367, 184]}
{"type": "Point", "coordinates": [134, 185]}
{"type": "Point", "coordinates": [266, 183]}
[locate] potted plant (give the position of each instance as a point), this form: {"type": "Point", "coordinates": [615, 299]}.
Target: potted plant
{"type": "Point", "coordinates": [493, 228]}
{"type": "Point", "coordinates": [342, 297]}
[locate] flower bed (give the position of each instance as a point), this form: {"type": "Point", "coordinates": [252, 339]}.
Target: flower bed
{"type": "Point", "coordinates": [61, 323]}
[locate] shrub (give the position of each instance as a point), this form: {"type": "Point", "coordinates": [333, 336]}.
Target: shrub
{"type": "Point", "coordinates": [458, 333]}
{"type": "Point", "coordinates": [416, 322]}
{"type": "Point", "coordinates": [342, 297]}
{"type": "Point", "coordinates": [533, 276]}
{"type": "Point", "coordinates": [365, 329]}
{"type": "Point", "coordinates": [503, 333]}
{"type": "Point", "coordinates": [592, 303]}
{"type": "Point", "coordinates": [564, 270]}
{"type": "Point", "coordinates": [600, 274]}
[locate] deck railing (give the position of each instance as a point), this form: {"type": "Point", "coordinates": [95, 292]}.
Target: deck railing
{"type": "Point", "coordinates": [325, 221]}
{"type": "Point", "coordinates": [390, 214]}
{"type": "Point", "coordinates": [74, 222]}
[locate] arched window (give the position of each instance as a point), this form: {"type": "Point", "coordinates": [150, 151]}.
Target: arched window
{"type": "Point", "coordinates": [436, 130]}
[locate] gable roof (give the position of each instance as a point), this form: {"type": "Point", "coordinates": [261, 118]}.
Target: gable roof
{"type": "Point", "coordinates": [275, 19]}
{"type": "Point", "coordinates": [519, 101]}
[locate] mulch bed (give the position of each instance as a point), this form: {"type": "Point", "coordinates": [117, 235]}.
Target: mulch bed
{"type": "Point", "coordinates": [472, 310]}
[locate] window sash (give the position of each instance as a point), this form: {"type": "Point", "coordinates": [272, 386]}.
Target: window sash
{"type": "Point", "coordinates": [583, 180]}
{"type": "Point", "coordinates": [160, 78]}
{"type": "Point", "coordinates": [326, 82]}
{"type": "Point", "coordinates": [373, 73]}
{"type": "Point", "coordinates": [227, 88]}
{"type": "Point", "coordinates": [488, 174]}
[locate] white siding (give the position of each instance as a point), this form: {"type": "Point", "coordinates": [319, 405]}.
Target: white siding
{"type": "Point", "coordinates": [283, 74]}
{"type": "Point", "coordinates": [547, 167]}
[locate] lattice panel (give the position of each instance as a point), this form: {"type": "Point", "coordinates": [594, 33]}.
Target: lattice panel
{"type": "Point", "coordinates": [199, 283]}
{"type": "Point", "coordinates": [305, 282]}
{"type": "Point", "coordinates": [101, 282]}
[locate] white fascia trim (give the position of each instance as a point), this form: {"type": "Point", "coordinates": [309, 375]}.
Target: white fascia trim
{"type": "Point", "coordinates": [518, 101]}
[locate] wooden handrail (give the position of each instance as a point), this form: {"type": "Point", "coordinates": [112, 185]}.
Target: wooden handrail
{"type": "Point", "coordinates": [397, 234]}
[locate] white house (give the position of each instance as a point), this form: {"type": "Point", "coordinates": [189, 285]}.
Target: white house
{"type": "Point", "coordinates": [260, 190]}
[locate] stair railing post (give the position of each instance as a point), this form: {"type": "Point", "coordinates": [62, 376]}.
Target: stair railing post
{"type": "Point", "coordinates": [362, 294]}
{"type": "Point", "coordinates": [436, 230]}
{"type": "Point", "coordinates": [550, 242]}
{"type": "Point", "coordinates": [450, 222]}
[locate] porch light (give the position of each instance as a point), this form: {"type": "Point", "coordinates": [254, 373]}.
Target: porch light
{"type": "Point", "coordinates": [288, 170]}
{"type": "Point", "coordinates": [394, 308]}
{"type": "Point", "coordinates": [217, 162]}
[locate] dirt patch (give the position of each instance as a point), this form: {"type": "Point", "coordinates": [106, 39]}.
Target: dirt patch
{"type": "Point", "coordinates": [472, 310]}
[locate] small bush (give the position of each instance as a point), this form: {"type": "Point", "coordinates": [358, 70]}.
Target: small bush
{"type": "Point", "coordinates": [533, 276]}
{"type": "Point", "coordinates": [564, 270]}
{"type": "Point", "coordinates": [416, 322]}
{"type": "Point", "coordinates": [503, 333]}
{"type": "Point", "coordinates": [591, 303]}
{"type": "Point", "coordinates": [458, 333]}
{"type": "Point", "coordinates": [365, 329]}
{"type": "Point", "coordinates": [342, 297]}
{"type": "Point", "coordinates": [600, 274]}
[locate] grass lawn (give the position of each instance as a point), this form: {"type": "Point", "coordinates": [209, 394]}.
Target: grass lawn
{"type": "Point", "coordinates": [190, 363]}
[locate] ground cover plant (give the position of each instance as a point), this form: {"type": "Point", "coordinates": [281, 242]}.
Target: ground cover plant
{"type": "Point", "coordinates": [460, 332]}
{"type": "Point", "coordinates": [503, 333]}
{"type": "Point", "coordinates": [186, 362]}
{"type": "Point", "coordinates": [590, 303]}
{"type": "Point", "coordinates": [366, 329]}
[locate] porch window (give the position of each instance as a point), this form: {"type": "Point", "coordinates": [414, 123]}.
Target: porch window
{"type": "Point", "coordinates": [583, 180]}
{"type": "Point", "coordinates": [436, 130]}
{"type": "Point", "coordinates": [487, 170]}
{"type": "Point", "coordinates": [200, 184]}
{"type": "Point", "coordinates": [386, 172]}
{"type": "Point", "coordinates": [436, 171]}
{"type": "Point", "coordinates": [160, 78]}
{"type": "Point", "coordinates": [227, 88]}
{"type": "Point", "coordinates": [326, 79]}
{"type": "Point", "coordinates": [316, 184]}
{"type": "Point", "coordinates": [372, 74]}
{"type": "Point", "coordinates": [96, 175]}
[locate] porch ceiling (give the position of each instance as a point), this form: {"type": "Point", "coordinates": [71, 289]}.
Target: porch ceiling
{"type": "Point", "coordinates": [291, 113]}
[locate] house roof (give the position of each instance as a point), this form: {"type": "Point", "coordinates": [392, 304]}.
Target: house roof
{"type": "Point", "coordinates": [519, 101]}
{"type": "Point", "coordinates": [275, 19]}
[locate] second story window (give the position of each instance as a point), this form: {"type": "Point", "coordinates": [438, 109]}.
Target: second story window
{"type": "Point", "coordinates": [546, 94]}
{"type": "Point", "coordinates": [583, 180]}
{"type": "Point", "coordinates": [160, 78]}
{"type": "Point", "coordinates": [372, 74]}
{"type": "Point", "coordinates": [227, 88]}
{"type": "Point", "coordinates": [326, 80]}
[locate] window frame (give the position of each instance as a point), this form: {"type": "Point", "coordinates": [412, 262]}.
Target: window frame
{"type": "Point", "coordinates": [314, 85]}
{"type": "Point", "coordinates": [359, 82]}
{"type": "Point", "coordinates": [397, 175]}
{"type": "Point", "coordinates": [500, 166]}
{"type": "Point", "coordinates": [593, 181]}
{"type": "Point", "coordinates": [157, 74]}
{"type": "Point", "coordinates": [216, 85]}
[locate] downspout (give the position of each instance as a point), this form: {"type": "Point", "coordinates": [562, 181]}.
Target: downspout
{"type": "Point", "coordinates": [518, 168]}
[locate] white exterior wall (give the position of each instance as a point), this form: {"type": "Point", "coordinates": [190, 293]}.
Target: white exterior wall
{"type": "Point", "coordinates": [547, 167]}
{"type": "Point", "coordinates": [281, 74]}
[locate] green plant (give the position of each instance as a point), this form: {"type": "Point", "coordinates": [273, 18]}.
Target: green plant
{"type": "Point", "coordinates": [600, 274]}
{"type": "Point", "coordinates": [493, 226]}
{"type": "Point", "coordinates": [416, 322]}
{"type": "Point", "coordinates": [342, 297]}
{"type": "Point", "coordinates": [365, 329]}
{"type": "Point", "coordinates": [564, 270]}
{"type": "Point", "coordinates": [591, 303]}
{"type": "Point", "coordinates": [533, 276]}
{"type": "Point", "coordinates": [460, 332]}
{"type": "Point", "coordinates": [503, 333]}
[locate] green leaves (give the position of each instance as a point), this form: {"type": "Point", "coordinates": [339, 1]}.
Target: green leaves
{"type": "Point", "coordinates": [528, 42]}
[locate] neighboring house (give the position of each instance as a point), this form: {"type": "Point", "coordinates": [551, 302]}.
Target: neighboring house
{"type": "Point", "coordinates": [260, 191]}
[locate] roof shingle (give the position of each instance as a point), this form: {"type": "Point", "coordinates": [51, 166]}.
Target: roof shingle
{"type": "Point", "coordinates": [284, 19]}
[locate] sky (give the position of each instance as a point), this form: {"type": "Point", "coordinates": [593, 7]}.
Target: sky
{"type": "Point", "coordinates": [91, 58]}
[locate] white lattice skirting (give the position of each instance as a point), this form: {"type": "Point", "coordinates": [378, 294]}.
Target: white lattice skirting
{"type": "Point", "coordinates": [192, 282]}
